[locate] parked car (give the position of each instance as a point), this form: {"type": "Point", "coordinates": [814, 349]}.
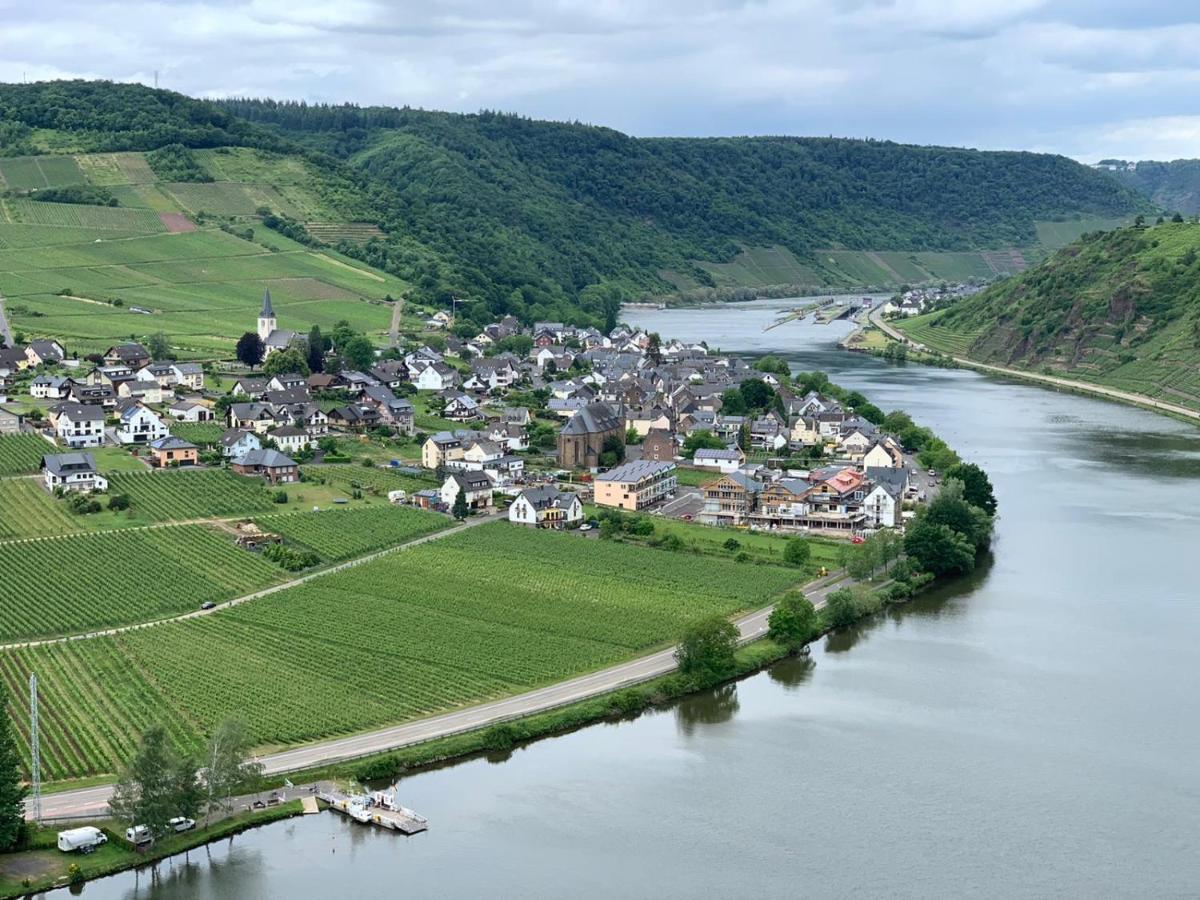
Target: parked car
{"type": "Point", "coordinates": [208, 604]}
{"type": "Point", "coordinates": [182, 823]}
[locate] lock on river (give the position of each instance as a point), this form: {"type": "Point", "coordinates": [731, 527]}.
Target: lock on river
{"type": "Point", "coordinates": [1030, 731]}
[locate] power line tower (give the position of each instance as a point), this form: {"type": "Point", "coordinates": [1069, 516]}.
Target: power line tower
{"type": "Point", "coordinates": [35, 790]}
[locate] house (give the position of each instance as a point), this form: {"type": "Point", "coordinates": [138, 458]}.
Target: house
{"type": "Point", "coordinates": [636, 485]}
{"type": "Point", "coordinates": [256, 417]}
{"type": "Point", "coordinates": [582, 439]}
{"type": "Point", "coordinates": [354, 417]}
{"type": "Point", "coordinates": [885, 500]}
{"type": "Point", "coordinates": [836, 503]}
{"type": "Point", "coordinates": [50, 387]}
{"type": "Point", "coordinates": [170, 451]}
{"type": "Point", "coordinates": [883, 455]}
{"type": "Point", "coordinates": [80, 425]}
{"type": "Point", "coordinates": [546, 507]}
{"type": "Point", "coordinates": [729, 460]}
{"type": "Point", "coordinates": [189, 375]}
{"type": "Point", "coordinates": [659, 445]}
{"type": "Point", "coordinates": [160, 373]}
{"type": "Point", "coordinates": [395, 411]}
{"type": "Point", "coordinates": [782, 505]}
{"type": "Point", "coordinates": [72, 472]}
{"type": "Point", "coordinates": [440, 449]}
{"type": "Point", "coordinates": [291, 439]}
{"type": "Point", "coordinates": [146, 391]}
{"type": "Point", "coordinates": [287, 381]}
{"type": "Point", "coordinates": [479, 453]}
{"type": "Point", "coordinates": [190, 411]}
{"type": "Point", "coordinates": [138, 425]}
{"type": "Point", "coordinates": [646, 419]}
{"type": "Point", "coordinates": [730, 499]}
{"type": "Point", "coordinates": [323, 381]}
{"type": "Point", "coordinates": [251, 388]}
{"type": "Point", "coordinates": [101, 395]}
{"type": "Point", "coordinates": [43, 352]}
{"type": "Point", "coordinates": [236, 443]}
{"type": "Point", "coordinates": [273, 339]}
{"type": "Point", "coordinates": [460, 408]}
{"type": "Point", "coordinates": [13, 359]}
{"type": "Point", "coordinates": [855, 443]}
{"type": "Point", "coordinates": [436, 377]}
{"type": "Point", "coordinates": [133, 355]}
{"type": "Point", "coordinates": [270, 464]}
{"type": "Point", "coordinates": [10, 421]}
{"type": "Point", "coordinates": [477, 486]}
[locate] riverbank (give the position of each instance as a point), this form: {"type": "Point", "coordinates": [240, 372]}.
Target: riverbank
{"type": "Point", "coordinates": [44, 867]}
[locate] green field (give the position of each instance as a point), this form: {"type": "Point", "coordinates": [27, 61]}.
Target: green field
{"type": "Point", "coordinates": [120, 577]}
{"type": "Point", "coordinates": [79, 216]}
{"type": "Point", "coordinates": [27, 510]}
{"type": "Point", "coordinates": [21, 453]}
{"type": "Point", "coordinates": [23, 173]}
{"type": "Point", "coordinates": [183, 494]}
{"type": "Point", "coordinates": [347, 477]}
{"type": "Point", "coordinates": [341, 534]}
{"type": "Point", "coordinates": [199, 433]}
{"type": "Point", "coordinates": [493, 611]}
{"type": "Point", "coordinates": [927, 330]}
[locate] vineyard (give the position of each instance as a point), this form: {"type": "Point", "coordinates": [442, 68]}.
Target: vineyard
{"type": "Point", "coordinates": [78, 215]}
{"type": "Point", "coordinates": [21, 453]}
{"type": "Point", "coordinates": [26, 510]}
{"type": "Point", "coordinates": [199, 433]}
{"type": "Point", "coordinates": [63, 585]}
{"type": "Point", "coordinates": [348, 477]}
{"type": "Point", "coordinates": [493, 611]}
{"type": "Point", "coordinates": [342, 534]}
{"type": "Point", "coordinates": [177, 494]}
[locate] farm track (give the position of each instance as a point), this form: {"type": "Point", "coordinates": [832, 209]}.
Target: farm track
{"type": "Point", "coordinates": [246, 598]}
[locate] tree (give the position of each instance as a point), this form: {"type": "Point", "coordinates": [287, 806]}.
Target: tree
{"type": "Point", "coordinates": [701, 440]}
{"type": "Point", "coordinates": [939, 549]}
{"type": "Point", "coordinates": [743, 438]}
{"type": "Point", "coordinates": [949, 507]}
{"type": "Point", "coordinates": [284, 362]}
{"type": "Point", "coordinates": [977, 487]}
{"type": "Point", "coordinates": [229, 769]}
{"type": "Point", "coordinates": [316, 350]}
{"type": "Point", "coordinates": [774, 365]}
{"type": "Point", "coordinates": [250, 349]}
{"type": "Point", "coordinates": [151, 789]}
{"type": "Point", "coordinates": [460, 509]}
{"type": "Point", "coordinates": [757, 393]}
{"type": "Point", "coordinates": [796, 552]}
{"type": "Point", "coordinates": [793, 622]}
{"type": "Point", "coordinates": [158, 346]}
{"type": "Point", "coordinates": [842, 608]}
{"type": "Point", "coordinates": [654, 348]}
{"type": "Point", "coordinates": [612, 451]}
{"type": "Point", "coordinates": [707, 649]}
{"type": "Point", "coordinates": [12, 789]}
{"type": "Point", "coordinates": [358, 352]}
{"type": "Point", "coordinates": [733, 403]}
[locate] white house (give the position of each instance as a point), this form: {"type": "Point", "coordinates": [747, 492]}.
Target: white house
{"type": "Point", "coordinates": [546, 507]}
{"type": "Point", "coordinates": [723, 461]}
{"type": "Point", "coordinates": [476, 485]}
{"type": "Point", "coordinates": [50, 387]}
{"type": "Point", "coordinates": [138, 425]}
{"type": "Point", "coordinates": [72, 472]}
{"type": "Point", "coordinates": [189, 375]}
{"type": "Point", "coordinates": [884, 502]}
{"type": "Point", "coordinates": [436, 377]}
{"type": "Point", "coordinates": [290, 439]}
{"type": "Point", "coordinates": [236, 443]}
{"type": "Point", "coordinates": [189, 411]}
{"type": "Point", "coordinates": [80, 425]}
{"type": "Point", "coordinates": [879, 457]}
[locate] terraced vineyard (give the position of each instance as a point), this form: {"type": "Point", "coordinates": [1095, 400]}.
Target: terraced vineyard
{"type": "Point", "coordinates": [22, 453]}
{"type": "Point", "coordinates": [26, 510]}
{"type": "Point", "coordinates": [179, 494]}
{"type": "Point", "coordinates": [493, 611]}
{"type": "Point", "coordinates": [354, 232]}
{"type": "Point", "coordinates": [347, 477]}
{"type": "Point", "coordinates": [64, 585]}
{"type": "Point", "coordinates": [925, 330]}
{"type": "Point", "coordinates": [342, 534]}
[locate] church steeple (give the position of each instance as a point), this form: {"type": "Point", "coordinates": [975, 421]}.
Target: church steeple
{"type": "Point", "coordinates": [266, 318]}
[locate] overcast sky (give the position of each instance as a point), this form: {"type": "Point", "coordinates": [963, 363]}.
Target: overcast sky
{"type": "Point", "coordinates": [1088, 78]}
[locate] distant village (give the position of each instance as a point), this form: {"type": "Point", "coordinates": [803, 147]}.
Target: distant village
{"type": "Point", "coordinates": [538, 421]}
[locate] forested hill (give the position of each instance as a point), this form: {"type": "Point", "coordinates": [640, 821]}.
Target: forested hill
{"type": "Point", "coordinates": [1174, 186]}
{"type": "Point", "coordinates": [1120, 308]}
{"type": "Point", "coordinates": [551, 220]}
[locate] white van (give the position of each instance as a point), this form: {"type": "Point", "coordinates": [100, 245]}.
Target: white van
{"type": "Point", "coordinates": [84, 839]}
{"type": "Point", "coordinates": [182, 823]}
{"type": "Point", "coordinates": [138, 835]}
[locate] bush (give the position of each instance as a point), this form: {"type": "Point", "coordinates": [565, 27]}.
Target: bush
{"type": "Point", "coordinates": [279, 496]}
{"type": "Point", "coordinates": [797, 552]}
{"type": "Point", "coordinates": [118, 501]}
{"type": "Point", "coordinates": [731, 544]}
{"type": "Point", "coordinates": [291, 559]}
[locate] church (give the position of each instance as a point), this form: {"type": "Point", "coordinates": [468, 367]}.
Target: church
{"type": "Point", "coordinates": [273, 338]}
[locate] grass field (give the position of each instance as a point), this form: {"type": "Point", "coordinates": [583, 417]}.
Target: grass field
{"type": "Point", "coordinates": [21, 453]}
{"type": "Point", "coordinates": [490, 612]}
{"type": "Point", "coordinates": [344, 533]}
{"type": "Point", "coordinates": [199, 433]}
{"type": "Point", "coordinates": [182, 494]}
{"type": "Point", "coordinates": [120, 577]}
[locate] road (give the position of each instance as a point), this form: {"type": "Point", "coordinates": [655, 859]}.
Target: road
{"type": "Point", "coordinates": [1053, 380]}
{"type": "Point", "coordinates": [93, 802]}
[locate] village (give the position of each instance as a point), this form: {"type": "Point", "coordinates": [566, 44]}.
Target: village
{"type": "Point", "coordinates": [542, 423]}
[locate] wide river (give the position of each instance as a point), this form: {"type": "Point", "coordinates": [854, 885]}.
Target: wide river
{"type": "Point", "coordinates": [1033, 731]}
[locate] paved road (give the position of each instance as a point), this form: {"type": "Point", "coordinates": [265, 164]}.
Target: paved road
{"type": "Point", "coordinates": [91, 802]}
{"type": "Point", "coordinates": [1079, 386]}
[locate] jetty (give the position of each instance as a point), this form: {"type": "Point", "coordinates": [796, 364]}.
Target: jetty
{"type": "Point", "coordinates": [379, 808]}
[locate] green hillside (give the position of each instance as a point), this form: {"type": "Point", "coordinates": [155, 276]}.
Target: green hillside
{"type": "Point", "coordinates": [540, 219]}
{"type": "Point", "coordinates": [1173, 186]}
{"type": "Point", "coordinates": [1118, 308]}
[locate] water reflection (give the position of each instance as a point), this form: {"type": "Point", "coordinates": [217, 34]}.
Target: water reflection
{"type": "Point", "coordinates": [793, 672]}
{"type": "Point", "coordinates": [710, 708]}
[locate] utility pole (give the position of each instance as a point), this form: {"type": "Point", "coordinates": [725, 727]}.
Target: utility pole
{"type": "Point", "coordinates": [36, 753]}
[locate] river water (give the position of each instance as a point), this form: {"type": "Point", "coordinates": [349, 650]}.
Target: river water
{"type": "Point", "coordinates": [1032, 731]}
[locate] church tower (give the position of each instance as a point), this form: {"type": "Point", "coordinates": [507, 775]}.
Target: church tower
{"type": "Point", "coordinates": [266, 318]}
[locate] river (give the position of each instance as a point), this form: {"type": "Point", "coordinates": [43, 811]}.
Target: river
{"type": "Point", "coordinates": [1031, 731]}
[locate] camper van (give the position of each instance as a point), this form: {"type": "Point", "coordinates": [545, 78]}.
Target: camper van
{"type": "Point", "coordinates": [138, 835]}
{"type": "Point", "coordinates": [83, 840]}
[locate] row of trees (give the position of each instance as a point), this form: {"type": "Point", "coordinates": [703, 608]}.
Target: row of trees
{"type": "Point", "coordinates": [353, 350]}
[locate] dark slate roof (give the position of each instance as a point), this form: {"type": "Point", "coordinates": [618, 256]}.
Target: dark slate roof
{"type": "Point", "coordinates": [80, 412]}
{"type": "Point", "coordinates": [472, 480]}
{"type": "Point", "coordinates": [233, 435]}
{"type": "Point", "coordinates": [270, 459]}
{"type": "Point", "coordinates": [60, 463]}
{"type": "Point", "coordinates": [547, 497]}
{"type": "Point", "coordinates": [890, 479]}
{"type": "Point", "coordinates": [636, 471]}
{"type": "Point", "coordinates": [170, 442]}
{"type": "Point", "coordinates": [593, 419]}
{"type": "Point", "coordinates": [267, 311]}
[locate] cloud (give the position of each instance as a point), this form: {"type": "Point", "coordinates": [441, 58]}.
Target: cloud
{"type": "Point", "coordinates": [1084, 77]}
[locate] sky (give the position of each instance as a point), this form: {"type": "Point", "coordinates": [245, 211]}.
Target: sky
{"type": "Point", "coordinates": [1087, 78]}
